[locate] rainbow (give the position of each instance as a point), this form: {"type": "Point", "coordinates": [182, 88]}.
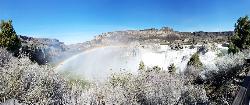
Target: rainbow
{"type": "Point", "coordinates": [89, 50]}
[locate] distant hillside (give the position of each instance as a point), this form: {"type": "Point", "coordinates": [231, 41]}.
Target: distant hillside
{"type": "Point", "coordinates": [162, 36]}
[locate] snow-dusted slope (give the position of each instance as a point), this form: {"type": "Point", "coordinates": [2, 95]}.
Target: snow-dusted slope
{"type": "Point", "coordinates": [98, 63]}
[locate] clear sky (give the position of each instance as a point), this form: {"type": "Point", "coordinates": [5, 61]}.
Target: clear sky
{"type": "Point", "coordinates": [73, 21]}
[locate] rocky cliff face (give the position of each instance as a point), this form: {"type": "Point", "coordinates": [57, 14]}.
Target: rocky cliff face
{"type": "Point", "coordinates": [161, 36]}
{"type": "Point", "coordinates": [42, 50]}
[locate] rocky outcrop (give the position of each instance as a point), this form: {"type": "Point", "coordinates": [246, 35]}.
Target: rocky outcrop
{"type": "Point", "coordinates": [42, 50]}
{"type": "Point", "coordinates": [163, 36]}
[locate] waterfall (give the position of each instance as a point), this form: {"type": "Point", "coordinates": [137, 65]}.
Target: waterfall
{"type": "Point", "coordinates": [100, 62]}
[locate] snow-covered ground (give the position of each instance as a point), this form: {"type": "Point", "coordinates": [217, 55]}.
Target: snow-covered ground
{"type": "Point", "coordinates": [98, 63]}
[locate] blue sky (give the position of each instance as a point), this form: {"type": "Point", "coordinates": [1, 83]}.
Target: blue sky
{"type": "Point", "coordinates": [73, 21]}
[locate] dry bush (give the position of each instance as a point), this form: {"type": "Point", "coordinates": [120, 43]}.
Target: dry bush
{"type": "Point", "coordinates": [30, 83]}
{"type": "Point", "coordinates": [5, 56]}
{"type": "Point", "coordinates": [149, 87]}
{"type": "Point", "coordinates": [222, 84]}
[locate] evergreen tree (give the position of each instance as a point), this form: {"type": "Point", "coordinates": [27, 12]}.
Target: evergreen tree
{"type": "Point", "coordinates": [195, 61]}
{"type": "Point", "coordinates": [241, 39]}
{"type": "Point", "coordinates": [8, 37]}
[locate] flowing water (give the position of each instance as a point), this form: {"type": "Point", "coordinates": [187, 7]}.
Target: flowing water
{"type": "Point", "coordinates": [98, 63]}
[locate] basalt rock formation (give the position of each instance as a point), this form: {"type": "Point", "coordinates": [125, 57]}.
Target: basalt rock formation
{"type": "Point", "coordinates": [160, 36]}
{"type": "Point", "coordinates": [42, 50]}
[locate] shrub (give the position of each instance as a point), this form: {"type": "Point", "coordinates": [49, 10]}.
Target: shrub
{"type": "Point", "coordinates": [74, 79]}
{"type": "Point", "coordinates": [222, 83]}
{"type": "Point", "coordinates": [232, 48]}
{"type": "Point", "coordinates": [142, 66]}
{"type": "Point", "coordinates": [30, 83]}
{"type": "Point", "coordinates": [8, 37]}
{"type": "Point", "coordinates": [241, 39]}
{"type": "Point", "coordinates": [172, 69]}
{"type": "Point", "coordinates": [154, 86]}
{"type": "Point", "coordinates": [5, 56]}
{"type": "Point", "coordinates": [195, 61]}
{"type": "Point", "coordinates": [192, 73]}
